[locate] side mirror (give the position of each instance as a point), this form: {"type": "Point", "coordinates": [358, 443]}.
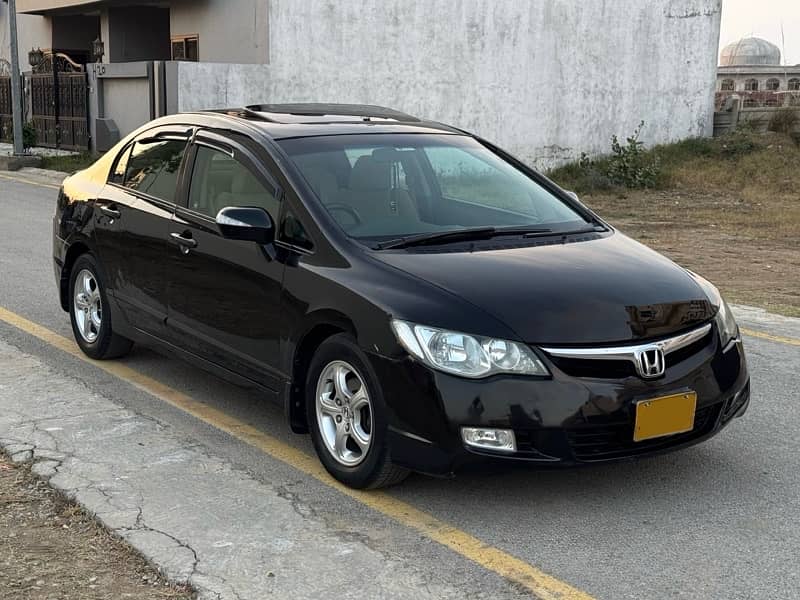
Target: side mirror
{"type": "Point", "coordinates": [246, 224]}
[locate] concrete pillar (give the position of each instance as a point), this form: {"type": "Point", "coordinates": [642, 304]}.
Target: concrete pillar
{"type": "Point", "coordinates": [16, 92]}
{"type": "Point", "coordinates": [736, 104]}
{"type": "Point", "coordinates": [95, 102]}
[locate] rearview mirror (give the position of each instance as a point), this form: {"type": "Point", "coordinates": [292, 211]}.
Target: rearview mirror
{"type": "Point", "coordinates": [246, 224]}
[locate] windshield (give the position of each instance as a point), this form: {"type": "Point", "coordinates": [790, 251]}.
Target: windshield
{"type": "Point", "coordinates": [385, 186]}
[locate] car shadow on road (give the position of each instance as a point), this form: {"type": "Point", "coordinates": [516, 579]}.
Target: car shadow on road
{"type": "Point", "coordinates": [692, 478]}
{"type": "Point", "coordinates": [696, 475]}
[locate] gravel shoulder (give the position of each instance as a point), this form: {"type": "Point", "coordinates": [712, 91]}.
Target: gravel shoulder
{"type": "Point", "coordinates": [52, 549]}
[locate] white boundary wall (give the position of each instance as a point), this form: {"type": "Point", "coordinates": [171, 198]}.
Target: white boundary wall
{"type": "Point", "coordinates": [546, 79]}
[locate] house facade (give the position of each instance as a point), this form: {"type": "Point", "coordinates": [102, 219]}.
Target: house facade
{"type": "Point", "coordinates": [547, 79]}
{"type": "Point", "coordinates": [233, 31]}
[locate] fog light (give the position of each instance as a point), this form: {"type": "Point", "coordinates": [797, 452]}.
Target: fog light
{"type": "Point", "coordinates": [490, 439]}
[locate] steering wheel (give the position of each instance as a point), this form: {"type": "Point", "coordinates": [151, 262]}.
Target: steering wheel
{"type": "Point", "coordinates": [345, 208]}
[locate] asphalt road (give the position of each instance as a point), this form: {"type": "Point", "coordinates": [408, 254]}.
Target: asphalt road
{"type": "Point", "coordinates": [719, 520]}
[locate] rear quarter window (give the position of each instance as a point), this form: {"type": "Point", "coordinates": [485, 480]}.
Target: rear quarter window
{"type": "Point", "coordinates": [154, 166]}
{"type": "Point", "coordinates": [120, 165]}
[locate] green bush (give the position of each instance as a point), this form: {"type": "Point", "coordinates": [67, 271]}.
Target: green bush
{"type": "Point", "coordinates": [28, 136]}
{"type": "Point", "coordinates": [630, 165]}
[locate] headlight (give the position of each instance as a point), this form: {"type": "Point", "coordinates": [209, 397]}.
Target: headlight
{"type": "Point", "coordinates": [466, 355]}
{"type": "Point", "coordinates": [726, 324]}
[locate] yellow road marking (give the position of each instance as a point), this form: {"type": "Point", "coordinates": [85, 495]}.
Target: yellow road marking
{"type": "Point", "coordinates": [30, 182]}
{"type": "Point", "coordinates": [544, 586]}
{"type": "Point", "coordinates": [772, 338]}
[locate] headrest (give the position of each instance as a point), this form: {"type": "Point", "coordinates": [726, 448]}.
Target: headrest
{"type": "Point", "coordinates": [386, 155]}
{"type": "Point", "coordinates": [334, 161]}
{"type": "Point", "coordinates": [369, 174]}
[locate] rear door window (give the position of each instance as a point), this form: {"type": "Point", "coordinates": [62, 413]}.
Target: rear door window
{"type": "Point", "coordinates": [154, 167]}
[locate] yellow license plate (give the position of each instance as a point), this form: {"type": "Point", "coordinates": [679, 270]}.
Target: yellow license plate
{"type": "Point", "coordinates": [667, 415]}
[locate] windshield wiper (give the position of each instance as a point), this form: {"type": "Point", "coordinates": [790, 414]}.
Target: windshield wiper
{"type": "Point", "coordinates": [458, 235]}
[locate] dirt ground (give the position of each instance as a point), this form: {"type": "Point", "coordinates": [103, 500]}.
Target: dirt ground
{"type": "Point", "coordinates": [51, 550]}
{"type": "Point", "coordinates": [748, 246]}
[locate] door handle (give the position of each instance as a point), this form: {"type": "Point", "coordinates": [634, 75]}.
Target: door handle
{"type": "Point", "coordinates": [184, 242]}
{"type": "Point", "coordinates": [109, 212]}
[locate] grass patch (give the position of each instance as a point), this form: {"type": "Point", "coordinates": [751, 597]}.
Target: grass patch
{"type": "Point", "coordinates": [68, 164]}
{"type": "Point", "coordinates": [596, 175]}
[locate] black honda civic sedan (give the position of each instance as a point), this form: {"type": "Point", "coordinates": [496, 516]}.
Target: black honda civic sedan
{"type": "Point", "coordinates": [415, 298]}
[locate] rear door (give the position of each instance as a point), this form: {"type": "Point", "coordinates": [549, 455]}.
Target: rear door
{"type": "Point", "coordinates": [224, 295]}
{"type": "Point", "coordinates": [132, 217]}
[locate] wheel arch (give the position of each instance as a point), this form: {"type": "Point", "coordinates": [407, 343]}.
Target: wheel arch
{"type": "Point", "coordinates": [323, 325]}
{"type": "Point", "coordinates": [75, 250]}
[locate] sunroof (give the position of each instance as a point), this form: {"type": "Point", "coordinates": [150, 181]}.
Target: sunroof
{"type": "Point", "coordinates": [302, 113]}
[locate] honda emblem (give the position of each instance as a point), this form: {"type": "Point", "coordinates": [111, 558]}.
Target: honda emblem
{"type": "Point", "coordinates": [650, 362]}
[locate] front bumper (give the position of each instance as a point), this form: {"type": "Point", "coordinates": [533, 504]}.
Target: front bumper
{"type": "Point", "coordinates": [560, 421]}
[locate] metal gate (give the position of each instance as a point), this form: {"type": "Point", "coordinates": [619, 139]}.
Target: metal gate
{"type": "Point", "coordinates": [6, 125]}
{"type": "Point", "coordinates": [59, 102]}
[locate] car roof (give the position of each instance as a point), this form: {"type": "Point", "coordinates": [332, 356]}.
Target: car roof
{"type": "Point", "coordinates": [281, 121]}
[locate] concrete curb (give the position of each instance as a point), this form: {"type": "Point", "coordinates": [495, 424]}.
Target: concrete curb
{"type": "Point", "coordinates": [15, 163]}
{"type": "Point", "coordinates": [761, 320]}
{"type": "Point", "coordinates": [38, 176]}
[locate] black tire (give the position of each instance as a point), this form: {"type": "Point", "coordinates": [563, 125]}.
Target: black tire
{"type": "Point", "coordinates": [107, 344]}
{"type": "Point", "coordinates": [376, 469]}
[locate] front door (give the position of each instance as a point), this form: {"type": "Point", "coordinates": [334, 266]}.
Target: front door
{"type": "Point", "coordinates": [132, 216]}
{"type": "Point", "coordinates": [224, 295]}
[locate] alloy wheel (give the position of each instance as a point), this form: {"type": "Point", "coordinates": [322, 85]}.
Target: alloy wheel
{"type": "Point", "coordinates": [87, 306]}
{"type": "Point", "coordinates": [344, 413]}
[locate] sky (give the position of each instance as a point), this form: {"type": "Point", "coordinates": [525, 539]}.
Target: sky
{"type": "Point", "coordinates": [763, 18]}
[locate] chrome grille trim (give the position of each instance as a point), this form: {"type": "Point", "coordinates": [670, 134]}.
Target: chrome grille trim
{"type": "Point", "coordinates": [632, 353]}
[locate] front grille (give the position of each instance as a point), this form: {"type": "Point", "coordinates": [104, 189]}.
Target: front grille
{"type": "Point", "coordinates": [681, 354]}
{"type": "Point", "coordinates": [598, 369]}
{"type": "Point", "coordinates": [615, 440]}
{"type": "Point", "coordinates": [586, 366]}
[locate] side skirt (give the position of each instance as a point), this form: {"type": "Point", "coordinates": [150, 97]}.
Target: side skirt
{"type": "Point", "coordinates": [171, 350]}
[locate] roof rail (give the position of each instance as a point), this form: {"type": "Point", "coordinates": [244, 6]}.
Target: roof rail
{"type": "Point", "coordinates": [321, 109]}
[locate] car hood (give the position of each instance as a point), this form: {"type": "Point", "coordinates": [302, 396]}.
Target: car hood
{"type": "Point", "coordinates": [602, 291]}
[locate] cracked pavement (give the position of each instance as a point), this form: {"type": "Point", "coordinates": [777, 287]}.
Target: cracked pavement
{"type": "Point", "coordinates": [199, 519]}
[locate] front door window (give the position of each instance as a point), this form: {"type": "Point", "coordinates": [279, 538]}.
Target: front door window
{"type": "Point", "coordinates": [219, 181]}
